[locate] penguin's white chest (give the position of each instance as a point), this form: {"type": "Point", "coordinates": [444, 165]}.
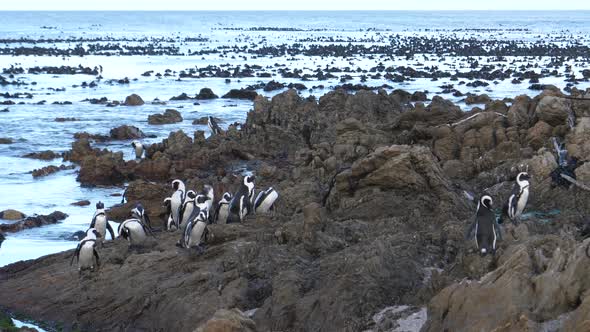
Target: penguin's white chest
{"type": "Point", "coordinates": [196, 234]}
{"type": "Point", "coordinates": [188, 210]}
{"type": "Point", "coordinates": [138, 151]}
{"type": "Point", "coordinates": [86, 258]}
{"type": "Point", "coordinates": [267, 203]}
{"type": "Point", "coordinates": [101, 225]}
{"type": "Point", "coordinates": [522, 201]}
{"type": "Point", "coordinates": [137, 233]}
{"type": "Point", "coordinates": [223, 213]}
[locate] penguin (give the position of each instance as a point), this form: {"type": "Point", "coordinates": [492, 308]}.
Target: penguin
{"type": "Point", "coordinates": [187, 208]}
{"type": "Point", "coordinates": [222, 210]}
{"type": "Point", "coordinates": [240, 204]}
{"type": "Point", "coordinates": [209, 192]}
{"type": "Point", "coordinates": [138, 148]}
{"type": "Point", "coordinates": [195, 232]}
{"type": "Point", "coordinates": [265, 200]}
{"type": "Point", "coordinates": [176, 201]}
{"type": "Point", "coordinates": [86, 253]}
{"type": "Point", "coordinates": [135, 230]}
{"type": "Point", "coordinates": [519, 197]}
{"type": "Point", "coordinates": [101, 223]}
{"type": "Point", "coordinates": [202, 203]}
{"type": "Point", "coordinates": [485, 228]}
{"type": "Point", "coordinates": [170, 226]}
{"type": "Point", "coordinates": [213, 126]}
{"type": "Point", "coordinates": [124, 196]}
{"type": "Point", "coordinates": [139, 212]}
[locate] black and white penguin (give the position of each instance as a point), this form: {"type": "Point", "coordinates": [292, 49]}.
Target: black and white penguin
{"type": "Point", "coordinates": [485, 228]}
{"type": "Point", "coordinates": [213, 126]}
{"type": "Point", "coordinates": [135, 230]}
{"type": "Point", "coordinates": [170, 226]}
{"type": "Point", "coordinates": [140, 213]}
{"type": "Point", "coordinates": [265, 200]}
{"type": "Point", "coordinates": [240, 204]}
{"type": "Point", "coordinates": [100, 222]}
{"type": "Point", "coordinates": [210, 193]}
{"type": "Point", "coordinates": [222, 210]}
{"type": "Point", "coordinates": [85, 252]}
{"type": "Point", "coordinates": [519, 197]}
{"type": "Point", "coordinates": [138, 148]}
{"type": "Point", "coordinates": [176, 201]}
{"type": "Point", "coordinates": [187, 208]}
{"type": "Point", "coordinates": [195, 232]}
{"type": "Point", "coordinates": [202, 204]}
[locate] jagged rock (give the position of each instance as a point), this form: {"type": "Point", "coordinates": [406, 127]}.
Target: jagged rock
{"type": "Point", "coordinates": [43, 155]}
{"type": "Point", "coordinates": [241, 94]}
{"type": "Point", "coordinates": [33, 221]}
{"type": "Point", "coordinates": [578, 140]}
{"type": "Point", "coordinates": [4, 140]}
{"type": "Point", "coordinates": [206, 93]}
{"type": "Point", "coordinates": [583, 173]}
{"type": "Point", "coordinates": [81, 203]}
{"type": "Point", "coordinates": [133, 100]}
{"type": "Point", "coordinates": [47, 170]}
{"type": "Point", "coordinates": [169, 116]}
{"type": "Point", "coordinates": [522, 112]}
{"type": "Point", "coordinates": [102, 170]}
{"type": "Point", "coordinates": [228, 321]}
{"type": "Point", "coordinates": [12, 215]}
{"type": "Point", "coordinates": [539, 135]}
{"type": "Point", "coordinates": [477, 99]}
{"type": "Point", "coordinates": [126, 132]}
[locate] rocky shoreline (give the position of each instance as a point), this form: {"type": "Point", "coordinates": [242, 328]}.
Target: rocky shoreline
{"type": "Point", "coordinates": [376, 192]}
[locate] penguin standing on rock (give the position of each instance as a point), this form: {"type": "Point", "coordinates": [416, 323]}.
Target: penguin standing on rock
{"type": "Point", "coordinates": [100, 222]}
{"type": "Point", "coordinates": [138, 148]}
{"type": "Point", "coordinates": [86, 252]}
{"type": "Point", "coordinates": [187, 208]}
{"type": "Point", "coordinates": [176, 201]}
{"type": "Point", "coordinates": [136, 229]}
{"type": "Point", "coordinates": [519, 198]}
{"type": "Point", "coordinates": [195, 232]}
{"type": "Point", "coordinates": [265, 200]}
{"type": "Point", "coordinates": [170, 222]}
{"type": "Point", "coordinates": [240, 204]}
{"type": "Point", "coordinates": [485, 228]}
{"type": "Point", "coordinates": [222, 210]}
{"type": "Point", "coordinates": [213, 126]}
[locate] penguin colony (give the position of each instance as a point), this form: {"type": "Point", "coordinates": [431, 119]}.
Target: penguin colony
{"type": "Point", "coordinates": [485, 228]}
{"type": "Point", "coordinates": [188, 211]}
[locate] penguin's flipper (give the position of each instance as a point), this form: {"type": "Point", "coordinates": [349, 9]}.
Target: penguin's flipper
{"type": "Point", "coordinates": [96, 256]}
{"type": "Point", "coordinates": [76, 254]}
{"type": "Point", "coordinates": [110, 229]}
{"type": "Point", "coordinates": [148, 221]}
{"type": "Point", "coordinates": [498, 229]}
{"type": "Point", "coordinates": [93, 222]}
{"type": "Point", "coordinates": [469, 232]}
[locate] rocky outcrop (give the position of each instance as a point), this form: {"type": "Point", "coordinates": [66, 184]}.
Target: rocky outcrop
{"type": "Point", "coordinates": [102, 170]}
{"type": "Point", "coordinates": [169, 116]}
{"type": "Point", "coordinates": [126, 132]}
{"type": "Point", "coordinates": [133, 100]}
{"type": "Point", "coordinates": [33, 221]}
{"type": "Point", "coordinates": [228, 321]}
{"type": "Point", "coordinates": [241, 94]}
{"type": "Point", "coordinates": [43, 155]}
{"type": "Point", "coordinates": [47, 170]}
{"type": "Point", "coordinates": [4, 140]}
{"type": "Point", "coordinates": [206, 93]}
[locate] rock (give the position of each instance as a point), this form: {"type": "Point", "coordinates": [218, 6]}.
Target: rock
{"type": "Point", "coordinates": [182, 96]}
{"type": "Point", "coordinates": [133, 100]}
{"type": "Point", "coordinates": [477, 99]}
{"type": "Point", "coordinates": [553, 110]}
{"type": "Point", "coordinates": [205, 119]}
{"type": "Point", "coordinates": [273, 85]}
{"type": "Point", "coordinates": [4, 140]}
{"type": "Point", "coordinates": [102, 170]}
{"type": "Point", "coordinates": [43, 155]}
{"type": "Point", "coordinates": [169, 116]}
{"type": "Point", "coordinates": [228, 321]}
{"type": "Point", "coordinates": [578, 140]}
{"type": "Point", "coordinates": [522, 112]}
{"type": "Point", "coordinates": [47, 170]}
{"type": "Point", "coordinates": [583, 173]}
{"type": "Point", "coordinates": [32, 222]}
{"type": "Point", "coordinates": [81, 203]}
{"type": "Point", "coordinates": [542, 165]}
{"type": "Point", "coordinates": [126, 132]}
{"type": "Point", "coordinates": [12, 215]}
{"type": "Point", "coordinates": [206, 93]}
{"type": "Point", "coordinates": [539, 135]}
{"type": "Point", "coordinates": [312, 224]}
{"type": "Point", "coordinates": [241, 94]}
{"type": "Point", "coordinates": [65, 119]}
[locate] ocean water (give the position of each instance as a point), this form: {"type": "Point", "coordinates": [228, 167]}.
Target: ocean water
{"type": "Point", "coordinates": [193, 40]}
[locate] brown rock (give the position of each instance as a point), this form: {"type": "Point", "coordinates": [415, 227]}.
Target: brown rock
{"type": "Point", "coordinates": [34, 221]}
{"type": "Point", "coordinates": [169, 116]}
{"type": "Point", "coordinates": [553, 110]}
{"type": "Point", "coordinates": [133, 100]}
{"type": "Point", "coordinates": [43, 155]}
{"type": "Point", "coordinates": [4, 140]}
{"type": "Point", "coordinates": [539, 135]}
{"type": "Point", "coordinates": [228, 321]}
{"type": "Point", "coordinates": [126, 132]}
{"type": "Point", "coordinates": [81, 203]}
{"type": "Point", "coordinates": [47, 170]}
{"type": "Point", "coordinates": [12, 215]}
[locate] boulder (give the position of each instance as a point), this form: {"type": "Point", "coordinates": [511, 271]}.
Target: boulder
{"type": "Point", "coordinates": [477, 99]}
{"type": "Point", "coordinates": [225, 320]}
{"type": "Point", "coordinates": [4, 140]}
{"type": "Point", "coordinates": [102, 170]}
{"type": "Point", "coordinates": [169, 116]}
{"type": "Point", "coordinates": [241, 94]}
{"type": "Point", "coordinates": [126, 132]}
{"type": "Point", "coordinates": [206, 93]}
{"type": "Point", "coordinates": [34, 221]}
{"type": "Point", "coordinates": [133, 100]}
{"type": "Point", "coordinates": [539, 135]}
{"type": "Point", "coordinates": [47, 170]}
{"type": "Point", "coordinates": [11, 215]}
{"type": "Point", "coordinates": [43, 155]}
{"type": "Point", "coordinates": [81, 203]}
{"type": "Point", "coordinates": [521, 113]}
{"type": "Point", "coordinates": [553, 109]}
{"type": "Point", "coordinates": [583, 173]}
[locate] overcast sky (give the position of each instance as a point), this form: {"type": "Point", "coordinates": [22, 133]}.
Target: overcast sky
{"type": "Point", "coordinates": [291, 5]}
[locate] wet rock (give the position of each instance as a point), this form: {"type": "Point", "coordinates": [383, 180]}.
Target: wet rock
{"type": "Point", "coordinates": [33, 221]}
{"type": "Point", "coordinates": [102, 170]}
{"type": "Point", "coordinates": [273, 85]}
{"type": "Point", "coordinates": [65, 119]}
{"type": "Point", "coordinates": [206, 93]}
{"type": "Point", "coordinates": [228, 321]}
{"type": "Point", "coordinates": [477, 99]}
{"type": "Point", "coordinates": [181, 97]}
{"type": "Point", "coordinates": [419, 96]}
{"type": "Point", "coordinates": [539, 135]}
{"type": "Point", "coordinates": [205, 119]}
{"type": "Point", "coordinates": [126, 132]}
{"type": "Point", "coordinates": [133, 100]}
{"type": "Point", "coordinates": [81, 203]}
{"type": "Point", "coordinates": [522, 112]}
{"type": "Point", "coordinates": [553, 110]}
{"type": "Point", "coordinates": [12, 215]}
{"type": "Point", "coordinates": [169, 116]}
{"type": "Point", "coordinates": [583, 173]}
{"type": "Point", "coordinates": [241, 94]}
{"type": "Point", "coordinates": [578, 140]}
{"type": "Point", "coordinates": [47, 170]}
{"type": "Point", "coordinates": [4, 140]}
{"type": "Point", "coordinates": [43, 155]}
